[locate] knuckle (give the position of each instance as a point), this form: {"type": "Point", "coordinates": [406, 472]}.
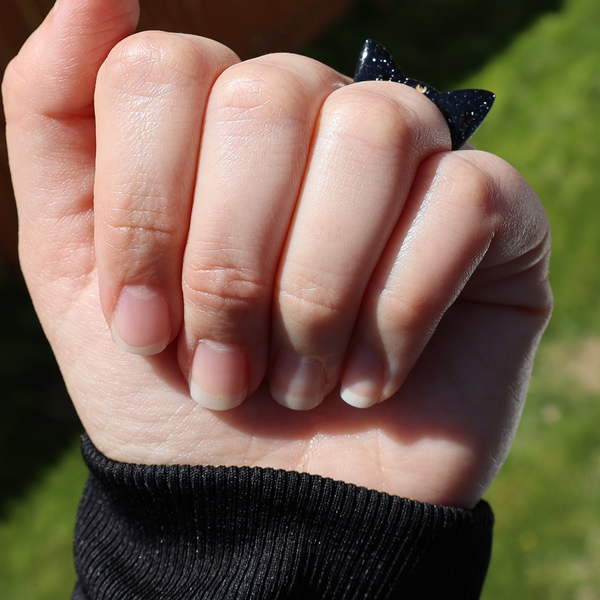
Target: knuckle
{"type": "Point", "coordinates": [16, 88]}
{"type": "Point", "coordinates": [313, 297]}
{"type": "Point", "coordinates": [138, 59]}
{"type": "Point", "coordinates": [409, 315]}
{"type": "Point", "coordinates": [145, 60]}
{"type": "Point", "coordinates": [466, 185]}
{"type": "Point", "coordinates": [258, 91]}
{"type": "Point", "coordinates": [370, 121]}
{"type": "Point", "coordinates": [9, 79]}
{"type": "Point", "coordinates": [477, 180]}
{"type": "Point", "coordinates": [221, 286]}
{"type": "Point", "coordinates": [138, 218]}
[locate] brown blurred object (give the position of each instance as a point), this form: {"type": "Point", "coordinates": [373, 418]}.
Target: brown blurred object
{"type": "Point", "coordinates": [249, 27]}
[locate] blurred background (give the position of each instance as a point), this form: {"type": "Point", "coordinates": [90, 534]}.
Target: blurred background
{"type": "Point", "coordinates": [542, 59]}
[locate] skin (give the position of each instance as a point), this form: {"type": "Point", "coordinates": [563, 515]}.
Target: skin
{"type": "Point", "coordinates": [281, 221]}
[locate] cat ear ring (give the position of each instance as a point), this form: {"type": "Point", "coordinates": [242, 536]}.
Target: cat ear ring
{"type": "Point", "coordinates": [464, 110]}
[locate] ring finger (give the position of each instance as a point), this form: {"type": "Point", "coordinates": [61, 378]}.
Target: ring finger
{"type": "Point", "coordinates": [370, 140]}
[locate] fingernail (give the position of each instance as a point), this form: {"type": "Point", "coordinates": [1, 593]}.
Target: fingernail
{"type": "Point", "coordinates": [297, 382]}
{"type": "Point", "coordinates": [141, 322]}
{"type": "Point", "coordinates": [219, 376]}
{"type": "Point", "coordinates": [363, 378]}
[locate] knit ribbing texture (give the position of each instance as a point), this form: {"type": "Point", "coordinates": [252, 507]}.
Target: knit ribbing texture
{"type": "Point", "coordinates": [214, 533]}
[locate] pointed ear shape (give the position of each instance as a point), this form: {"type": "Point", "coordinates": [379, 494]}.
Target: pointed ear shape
{"type": "Point", "coordinates": [376, 64]}
{"type": "Point", "coordinates": [464, 110]}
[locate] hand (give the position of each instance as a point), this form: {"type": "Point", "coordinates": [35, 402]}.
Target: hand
{"type": "Point", "coordinates": [264, 229]}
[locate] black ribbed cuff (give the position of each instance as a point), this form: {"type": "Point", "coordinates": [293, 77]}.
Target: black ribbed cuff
{"type": "Point", "coordinates": [191, 532]}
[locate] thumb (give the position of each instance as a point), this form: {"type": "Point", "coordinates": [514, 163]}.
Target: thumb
{"type": "Point", "coordinates": [55, 71]}
{"type": "Point", "coordinates": [48, 93]}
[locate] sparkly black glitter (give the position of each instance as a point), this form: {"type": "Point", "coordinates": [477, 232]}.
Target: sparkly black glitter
{"type": "Point", "coordinates": [464, 110]}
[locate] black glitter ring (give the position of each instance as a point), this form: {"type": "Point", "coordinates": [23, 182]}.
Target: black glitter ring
{"type": "Point", "coordinates": [464, 110]}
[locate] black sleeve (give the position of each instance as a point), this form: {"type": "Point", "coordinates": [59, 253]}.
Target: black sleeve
{"type": "Point", "coordinates": [182, 532]}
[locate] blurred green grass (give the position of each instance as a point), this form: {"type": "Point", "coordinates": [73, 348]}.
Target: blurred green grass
{"type": "Point", "coordinates": [36, 537]}
{"type": "Point", "coordinates": [546, 123]}
{"type": "Point", "coordinates": [543, 61]}
{"type": "Point", "coordinates": [547, 497]}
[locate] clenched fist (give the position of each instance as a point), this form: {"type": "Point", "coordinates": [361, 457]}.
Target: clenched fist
{"type": "Point", "coordinates": [201, 234]}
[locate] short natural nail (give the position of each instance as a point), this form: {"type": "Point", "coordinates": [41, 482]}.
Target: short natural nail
{"type": "Point", "coordinates": [219, 376]}
{"type": "Point", "coordinates": [141, 323]}
{"type": "Point", "coordinates": [363, 378]}
{"type": "Point", "coordinates": [297, 382]}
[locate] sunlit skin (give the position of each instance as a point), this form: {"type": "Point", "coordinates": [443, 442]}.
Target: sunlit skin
{"type": "Point", "coordinates": [267, 212]}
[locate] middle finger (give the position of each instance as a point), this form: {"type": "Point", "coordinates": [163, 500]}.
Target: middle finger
{"type": "Point", "coordinates": [258, 127]}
